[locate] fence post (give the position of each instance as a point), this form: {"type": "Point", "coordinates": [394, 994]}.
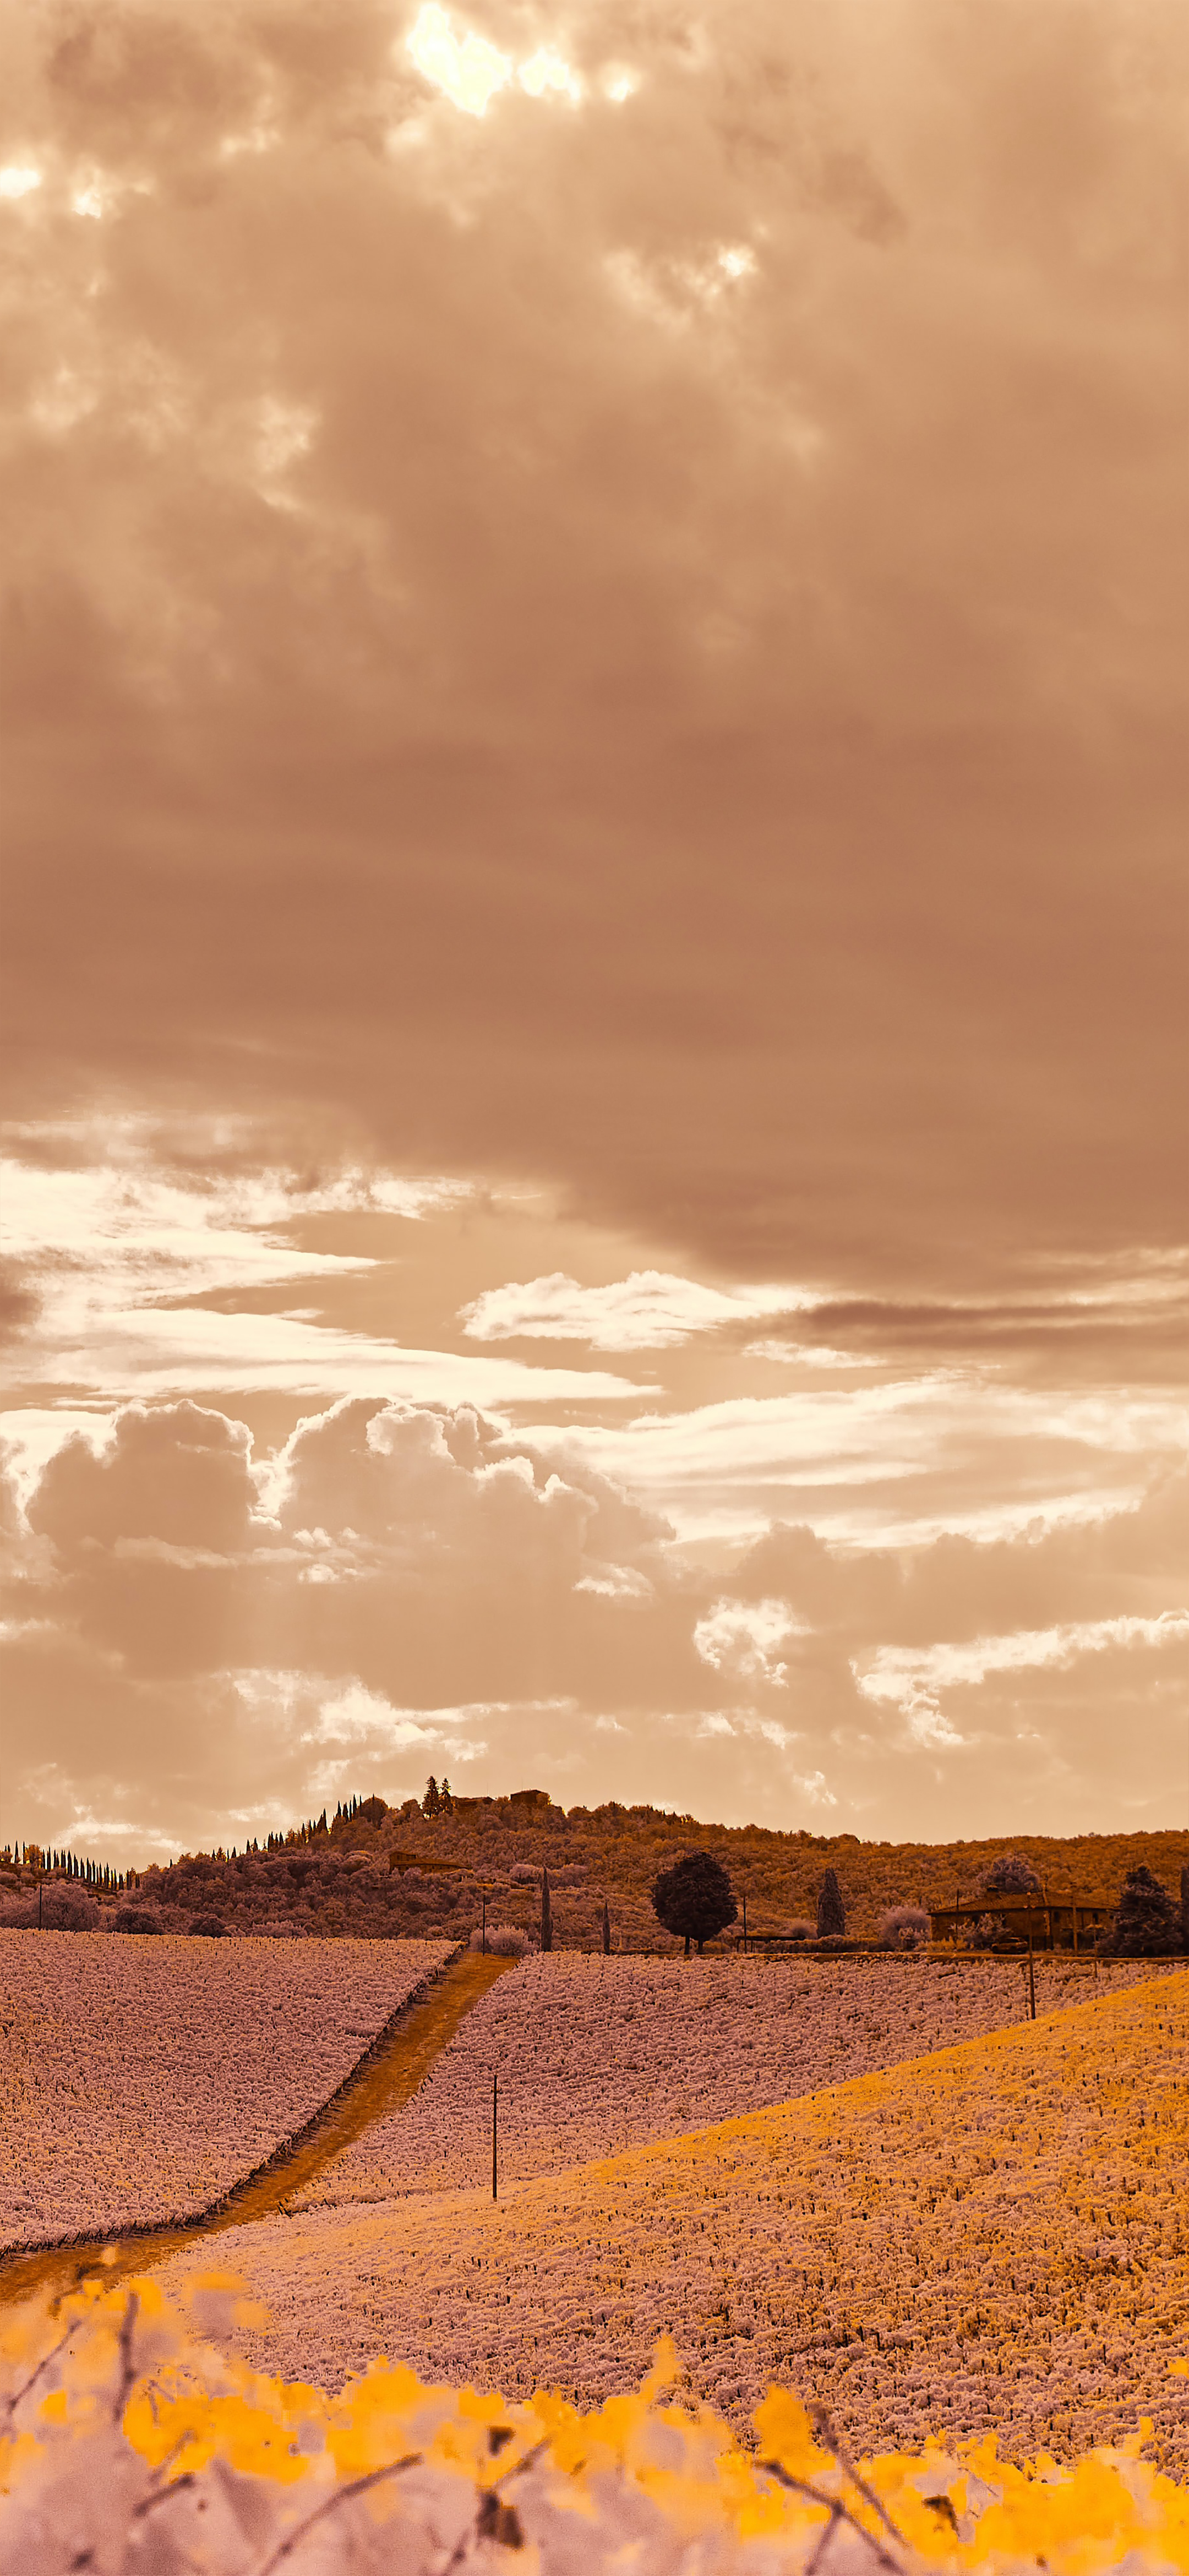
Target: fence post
{"type": "Point", "coordinates": [1031, 1979]}
{"type": "Point", "coordinates": [495, 2087]}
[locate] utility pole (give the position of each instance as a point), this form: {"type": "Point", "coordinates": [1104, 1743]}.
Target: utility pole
{"type": "Point", "coordinates": [495, 2092]}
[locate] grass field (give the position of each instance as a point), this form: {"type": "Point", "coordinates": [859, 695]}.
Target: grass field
{"type": "Point", "coordinates": [991, 2236]}
{"type": "Point", "coordinates": [139, 2079]}
{"type": "Point", "coordinates": [597, 2055]}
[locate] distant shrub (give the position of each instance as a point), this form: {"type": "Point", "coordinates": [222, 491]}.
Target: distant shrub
{"type": "Point", "coordinates": [523, 1873]}
{"type": "Point", "coordinates": [504, 1940]}
{"type": "Point", "coordinates": [986, 1932]}
{"type": "Point", "coordinates": [208, 1927]}
{"type": "Point", "coordinates": [903, 1926]}
{"type": "Point", "coordinates": [831, 1912]}
{"type": "Point", "coordinates": [62, 1910]}
{"type": "Point", "coordinates": [694, 1899]}
{"type": "Point", "coordinates": [802, 1929]}
{"type": "Point", "coordinates": [137, 1918]}
{"type": "Point", "coordinates": [1009, 1874]}
{"type": "Point", "coordinates": [1147, 1922]}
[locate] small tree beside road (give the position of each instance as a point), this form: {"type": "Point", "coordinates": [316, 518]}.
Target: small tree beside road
{"type": "Point", "coordinates": [694, 1899]}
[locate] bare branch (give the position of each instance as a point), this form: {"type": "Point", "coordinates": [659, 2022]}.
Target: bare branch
{"type": "Point", "coordinates": [342, 2495]}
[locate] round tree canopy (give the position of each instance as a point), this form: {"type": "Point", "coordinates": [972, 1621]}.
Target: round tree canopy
{"type": "Point", "coordinates": [694, 1899]}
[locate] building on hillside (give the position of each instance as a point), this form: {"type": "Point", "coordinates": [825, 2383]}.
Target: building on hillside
{"type": "Point", "coordinates": [1061, 1921]}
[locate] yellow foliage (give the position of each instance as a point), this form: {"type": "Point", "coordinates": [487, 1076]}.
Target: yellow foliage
{"type": "Point", "coordinates": [187, 2407]}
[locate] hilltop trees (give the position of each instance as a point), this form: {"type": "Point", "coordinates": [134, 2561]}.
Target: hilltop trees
{"type": "Point", "coordinates": [1009, 1874]}
{"type": "Point", "coordinates": [694, 1899]}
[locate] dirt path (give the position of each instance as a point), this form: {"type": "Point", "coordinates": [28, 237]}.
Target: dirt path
{"type": "Point", "coordinates": [384, 2079]}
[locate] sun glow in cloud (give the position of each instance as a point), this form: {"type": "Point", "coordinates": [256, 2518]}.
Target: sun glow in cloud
{"type": "Point", "coordinates": [740, 1637]}
{"type": "Point", "coordinates": [547, 70]}
{"type": "Point", "coordinates": [16, 180]}
{"type": "Point", "coordinates": [471, 70]}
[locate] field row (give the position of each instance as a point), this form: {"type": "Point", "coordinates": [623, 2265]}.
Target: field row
{"type": "Point", "coordinates": [994, 2237]}
{"type": "Point", "coordinates": [596, 2055]}
{"type": "Point", "coordinates": [139, 2079]}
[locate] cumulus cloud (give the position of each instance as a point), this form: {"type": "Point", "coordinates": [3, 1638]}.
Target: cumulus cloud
{"type": "Point", "coordinates": [740, 1637]}
{"type": "Point", "coordinates": [166, 1655]}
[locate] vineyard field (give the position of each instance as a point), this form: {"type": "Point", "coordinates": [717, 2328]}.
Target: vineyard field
{"type": "Point", "coordinates": [992, 2236]}
{"type": "Point", "coordinates": [598, 2055]}
{"type": "Point", "coordinates": [141, 2077]}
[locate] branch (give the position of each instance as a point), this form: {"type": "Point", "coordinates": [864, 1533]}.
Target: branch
{"type": "Point", "coordinates": [343, 2495]}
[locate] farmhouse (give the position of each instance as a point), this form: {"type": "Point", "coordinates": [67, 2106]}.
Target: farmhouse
{"type": "Point", "coordinates": [1057, 1922]}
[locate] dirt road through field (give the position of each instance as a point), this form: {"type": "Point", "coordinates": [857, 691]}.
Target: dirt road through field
{"type": "Point", "coordinates": [388, 2075]}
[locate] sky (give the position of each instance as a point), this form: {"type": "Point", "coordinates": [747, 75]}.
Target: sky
{"type": "Point", "coordinates": [595, 1174]}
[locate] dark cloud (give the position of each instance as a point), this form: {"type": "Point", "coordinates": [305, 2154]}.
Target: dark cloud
{"type": "Point", "coordinates": [757, 696]}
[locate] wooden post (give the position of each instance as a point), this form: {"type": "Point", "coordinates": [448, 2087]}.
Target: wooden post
{"type": "Point", "coordinates": [1074, 1904]}
{"type": "Point", "coordinates": [485, 1927]}
{"type": "Point", "coordinates": [1031, 1978]}
{"type": "Point", "coordinates": [495, 2089]}
{"type": "Point", "coordinates": [745, 1927]}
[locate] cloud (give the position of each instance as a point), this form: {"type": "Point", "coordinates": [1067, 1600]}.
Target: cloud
{"type": "Point", "coordinates": [675, 718]}
{"type": "Point", "coordinates": [148, 1285]}
{"type": "Point", "coordinates": [890, 1461]}
{"type": "Point", "coordinates": [739, 1637]}
{"type": "Point", "coordinates": [582, 771]}
{"type": "Point", "coordinates": [652, 1310]}
{"type": "Point", "coordinates": [896, 1671]}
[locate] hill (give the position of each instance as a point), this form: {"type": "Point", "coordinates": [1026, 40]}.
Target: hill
{"type": "Point", "coordinates": [337, 1878]}
{"type": "Point", "coordinates": [989, 2237]}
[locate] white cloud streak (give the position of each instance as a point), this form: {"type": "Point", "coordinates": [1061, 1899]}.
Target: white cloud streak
{"type": "Point", "coordinates": [649, 1310]}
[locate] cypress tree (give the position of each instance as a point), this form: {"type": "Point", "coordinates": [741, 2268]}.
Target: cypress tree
{"type": "Point", "coordinates": [831, 1912]}
{"type": "Point", "coordinates": [1145, 1924]}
